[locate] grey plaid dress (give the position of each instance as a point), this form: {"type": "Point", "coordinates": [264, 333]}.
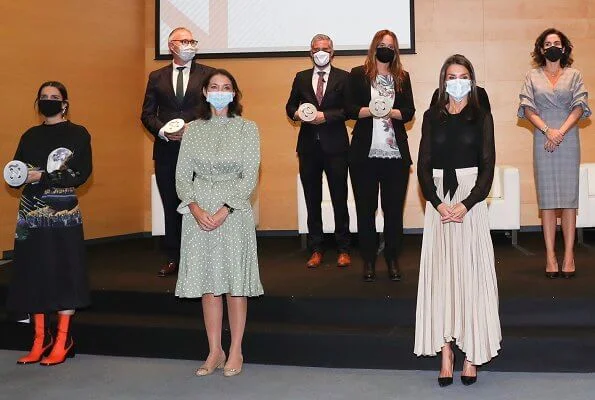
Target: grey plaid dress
{"type": "Point", "coordinates": [556, 174]}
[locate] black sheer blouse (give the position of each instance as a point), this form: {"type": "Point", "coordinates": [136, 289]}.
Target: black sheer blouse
{"type": "Point", "coordinates": [454, 141]}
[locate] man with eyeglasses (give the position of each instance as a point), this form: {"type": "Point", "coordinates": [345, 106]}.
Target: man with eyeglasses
{"type": "Point", "coordinates": [172, 92]}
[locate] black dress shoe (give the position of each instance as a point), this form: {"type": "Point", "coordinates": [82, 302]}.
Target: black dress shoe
{"type": "Point", "coordinates": [394, 272]}
{"type": "Point", "coordinates": [552, 275]}
{"type": "Point", "coordinates": [446, 381]}
{"type": "Point", "coordinates": [168, 269]}
{"type": "Point", "coordinates": [567, 274]}
{"type": "Point", "coordinates": [369, 272]}
{"type": "Point", "coordinates": [468, 380]}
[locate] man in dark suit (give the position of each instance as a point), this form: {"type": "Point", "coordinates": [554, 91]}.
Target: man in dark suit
{"type": "Point", "coordinates": [172, 92]}
{"type": "Point", "coordinates": [322, 146]}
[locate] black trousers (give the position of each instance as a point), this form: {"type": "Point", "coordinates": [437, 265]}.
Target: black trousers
{"type": "Point", "coordinates": [165, 174]}
{"type": "Point", "coordinates": [392, 176]}
{"type": "Point", "coordinates": [335, 166]}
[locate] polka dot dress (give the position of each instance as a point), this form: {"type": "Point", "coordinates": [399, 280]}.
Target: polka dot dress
{"type": "Point", "coordinates": [218, 164]}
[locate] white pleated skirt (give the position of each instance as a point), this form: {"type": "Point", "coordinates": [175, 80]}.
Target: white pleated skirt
{"type": "Point", "coordinates": [457, 296]}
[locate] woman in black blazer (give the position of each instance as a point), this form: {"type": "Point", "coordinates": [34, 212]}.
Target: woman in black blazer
{"type": "Point", "coordinates": [379, 152]}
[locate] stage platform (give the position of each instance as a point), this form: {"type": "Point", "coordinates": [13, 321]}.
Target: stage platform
{"type": "Point", "coordinates": [329, 317]}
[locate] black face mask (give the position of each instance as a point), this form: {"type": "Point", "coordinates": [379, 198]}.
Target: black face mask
{"type": "Point", "coordinates": [553, 53]}
{"type": "Point", "coordinates": [385, 54]}
{"type": "Point", "coordinates": [49, 108]}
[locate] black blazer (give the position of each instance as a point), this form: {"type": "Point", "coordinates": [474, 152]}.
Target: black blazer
{"type": "Point", "coordinates": [332, 133]}
{"type": "Point", "coordinates": [161, 105]}
{"type": "Point", "coordinates": [482, 97]}
{"type": "Point", "coordinates": [358, 96]}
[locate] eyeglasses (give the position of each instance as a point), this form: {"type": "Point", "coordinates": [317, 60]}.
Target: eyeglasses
{"type": "Point", "coordinates": [186, 42]}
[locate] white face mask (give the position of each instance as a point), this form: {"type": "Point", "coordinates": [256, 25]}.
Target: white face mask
{"type": "Point", "coordinates": [186, 52]}
{"type": "Point", "coordinates": [458, 88]}
{"type": "Point", "coordinates": [321, 58]}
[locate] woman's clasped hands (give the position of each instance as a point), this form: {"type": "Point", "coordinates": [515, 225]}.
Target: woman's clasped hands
{"type": "Point", "coordinates": [205, 220]}
{"type": "Point", "coordinates": [554, 138]}
{"type": "Point", "coordinates": [452, 212]}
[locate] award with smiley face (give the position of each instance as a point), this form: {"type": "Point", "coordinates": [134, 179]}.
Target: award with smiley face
{"type": "Point", "coordinates": [380, 106]}
{"type": "Point", "coordinates": [307, 112]}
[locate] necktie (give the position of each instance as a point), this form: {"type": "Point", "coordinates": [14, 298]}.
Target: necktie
{"type": "Point", "coordinates": [320, 87]}
{"type": "Point", "coordinates": [180, 85]}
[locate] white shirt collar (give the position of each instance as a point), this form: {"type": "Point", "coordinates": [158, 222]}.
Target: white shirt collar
{"type": "Point", "coordinates": [326, 69]}
{"type": "Point", "coordinates": [187, 65]}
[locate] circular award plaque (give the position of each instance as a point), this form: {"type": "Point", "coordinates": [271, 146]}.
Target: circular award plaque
{"type": "Point", "coordinates": [307, 112]}
{"type": "Point", "coordinates": [174, 126]}
{"type": "Point", "coordinates": [380, 106]}
{"type": "Point", "coordinates": [15, 173]}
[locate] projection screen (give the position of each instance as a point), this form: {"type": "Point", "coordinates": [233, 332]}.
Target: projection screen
{"type": "Point", "coordinates": [280, 28]}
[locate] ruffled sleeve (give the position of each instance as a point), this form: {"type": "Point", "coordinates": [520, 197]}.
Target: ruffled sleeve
{"type": "Point", "coordinates": [527, 97]}
{"type": "Point", "coordinates": [580, 95]}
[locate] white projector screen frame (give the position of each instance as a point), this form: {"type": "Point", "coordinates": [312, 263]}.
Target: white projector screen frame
{"type": "Point", "coordinates": [351, 33]}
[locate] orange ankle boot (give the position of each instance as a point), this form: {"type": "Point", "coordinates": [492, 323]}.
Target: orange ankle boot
{"type": "Point", "coordinates": [42, 341]}
{"type": "Point", "coordinates": [64, 346]}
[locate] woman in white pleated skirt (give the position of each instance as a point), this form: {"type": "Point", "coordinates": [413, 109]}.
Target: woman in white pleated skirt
{"type": "Point", "coordinates": [457, 299]}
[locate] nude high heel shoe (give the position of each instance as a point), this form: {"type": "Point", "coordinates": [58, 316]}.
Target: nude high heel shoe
{"type": "Point", "coordinates": [205, 370]}
{"type": "Point", "coordinates": [229, 372]}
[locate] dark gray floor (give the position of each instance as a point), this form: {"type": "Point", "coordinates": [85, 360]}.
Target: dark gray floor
{"type": "Point", "coordinates": [100, 377]}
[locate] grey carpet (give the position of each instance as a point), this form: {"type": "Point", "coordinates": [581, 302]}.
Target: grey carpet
{"type": "Point", "coordinates": [100, 377]}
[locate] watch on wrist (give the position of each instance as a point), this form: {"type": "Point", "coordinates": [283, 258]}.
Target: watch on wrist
{"type": "Point", "coordinates": [230, 209]}
{"type": "Point", "coordinates": [545, 129]}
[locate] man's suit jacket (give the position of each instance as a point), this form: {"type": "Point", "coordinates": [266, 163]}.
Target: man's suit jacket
{"type": "Point", "coordinates": [161, 105]}
{"type": "Point", "coordinates": [332, 133]}
{"type": "Point", "coordinates": [358, 95]}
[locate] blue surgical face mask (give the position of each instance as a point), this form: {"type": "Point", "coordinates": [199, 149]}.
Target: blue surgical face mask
{"type": "Point", "coordinates": [458, 88]}
{"type": "Point", "coordinates": [219, 100]}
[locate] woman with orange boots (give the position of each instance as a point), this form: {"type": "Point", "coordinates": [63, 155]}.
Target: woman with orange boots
{"type": "Point", "coordinates": [49, 274]}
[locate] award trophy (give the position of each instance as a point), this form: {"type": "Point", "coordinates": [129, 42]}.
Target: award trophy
{"type": "Point", "coordinates": [58, 158]}
{"type": "Point", "coordinates": [15, 173]}
{"type": "Point", "coordinates": [307, 112]}
{"type": "Point", "coordinates": [174, 126]}
{"type": "Point", "coordinates": [380, 106]}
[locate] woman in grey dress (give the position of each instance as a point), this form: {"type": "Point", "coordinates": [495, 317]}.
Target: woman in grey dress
{"type": "Point", "coordinates": [553, 99]}
{"type": "Point", "coordinates": [216, 173]}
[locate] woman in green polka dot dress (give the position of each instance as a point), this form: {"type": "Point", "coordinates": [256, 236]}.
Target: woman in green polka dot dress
{"type": "Point", "coordinates": [216, 173]}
